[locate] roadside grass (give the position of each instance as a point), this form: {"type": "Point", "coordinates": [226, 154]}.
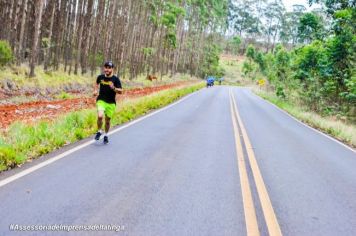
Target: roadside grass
{"type": "Point", "coordinates": [142, 81]}
{"type": "Point", "coordinates": [55, 79]}
{"type": "Point", "coordinates": [23, 142]}
{"type": "Point", "coordinates": [35, 98]}
{"type": "Point", "coordinates": [43, 79]}
{"type": "Point", "coordinates": [340, 130]}
{"type": "Point", "coordinates": [19, 100]}
{"type": "Point", "coordinates": [232, 66]}
{"type": "Point", "coordinates": [229, 83]}
{"type": "Point", "coordinates": [64, 95]}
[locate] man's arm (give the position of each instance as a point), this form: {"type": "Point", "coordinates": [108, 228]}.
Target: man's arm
{"type": "Point", "coordinates": [96, 86]}
{"type": "Point", "coordinates": [96, 89]}
{"type": "Point", "coordinates": [118, 88]}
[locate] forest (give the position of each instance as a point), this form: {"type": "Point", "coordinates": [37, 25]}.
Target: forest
{"type": "Point", "coordinates": [304, 53]}
{"type": "Point", "coordinates": [307, 55]}
{"type": "Point", "coordinates": [140, 36]}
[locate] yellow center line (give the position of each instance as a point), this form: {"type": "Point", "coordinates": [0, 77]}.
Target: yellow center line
{"type": "Point", "coordinates": [249, 208]}
{"type": "Point", "coordinates": [268, 212]}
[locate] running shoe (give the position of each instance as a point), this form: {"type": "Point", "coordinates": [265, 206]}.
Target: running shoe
{"type": "Point", "coordinates": [97, 136]}
{"type": "Point", "coordinates": [106, 140]}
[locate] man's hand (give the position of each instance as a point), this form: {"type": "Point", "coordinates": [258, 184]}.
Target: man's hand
{"type": "Point", "coordinates": [118, 90]}
{"type": "Point", "coordinates": [111, 84]}
{"type": "Point", "coordinates": [95, 93]}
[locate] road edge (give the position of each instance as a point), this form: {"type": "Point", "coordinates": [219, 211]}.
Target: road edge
{"type": "Point", "coordinates": [305, 124]}
{"type": "Point", "coordinates": [11, 175]}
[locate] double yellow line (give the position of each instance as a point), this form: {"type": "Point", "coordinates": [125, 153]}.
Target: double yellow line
{"type": "Point", "coordinates": [249, 208]}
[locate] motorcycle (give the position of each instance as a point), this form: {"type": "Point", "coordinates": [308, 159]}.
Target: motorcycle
{"type": "Point", "coordinates": [210, 82]}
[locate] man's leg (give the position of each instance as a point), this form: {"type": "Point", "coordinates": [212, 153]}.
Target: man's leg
{"type": "Point", "coordinates": [99, 121]}
{"type": "Point", "coordinates": [107, 124]}
{"type": "Point", "coordinates": [109, 112]}
{"type": "Point", "coordinates": [107, 128]}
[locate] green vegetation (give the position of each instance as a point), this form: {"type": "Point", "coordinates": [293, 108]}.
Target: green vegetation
{"type": "Point", "coordinates": [64, 95]}
{"type": "Point", "coordinates": [310, 83]}
{"type": "Point", "coordinates": [310, 27]}
{"type": "Point", "coordinates": [233, 45]}
{"type": "Point", "coordinates": [315, 65]}
{"type": "Point", "coordinates": [321, 74]}
{"type": "Point", "coordinates": [336, 128]}
{"type": "Point", "coordinates": [43, 79]}
{"type": "Point", "coordinates": [6, 55]}
{"type": "Point", "coordinates": [232, 68]}
{"type": "Point", "coordinates": [22, 142]}
{"type": "Point", "coordinates": [59, 78]}
{"type": "Point", "coordinates": [248, 67]}
{"type": "Point", "coordinates": [211, 66]}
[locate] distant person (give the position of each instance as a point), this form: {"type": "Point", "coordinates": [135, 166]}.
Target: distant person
{"type": "Point", "coordinates": [108, 86]}
{"type": "Point", "coordinates": [221, 80]}
{"type": "Point", "coordinates": [210, 81]}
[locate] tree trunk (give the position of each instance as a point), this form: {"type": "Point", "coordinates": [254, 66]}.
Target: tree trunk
{"type": "Point", "coordinates": [71, 37]}
{"type": "Point", "coordinates": [19, 54]}
{"type": "Point", "coordinates": [49, 49]}
{"type": "Point", "coordinates": [80, 35]}
{"type": "Point", "coordinates": [60, 34]}
{"type": "Point", "coordinates": [36, 34]}
{"type": "Point", "coordinates": [8, 21]}
{"type": "Point", "coordinates": [111, 18]}
{"type": "Point", "coordinates": [14, 27]}
{"type": "Point", "coordinates": [98, 34]}
{"type": "Point", "coordinates": [87, 34]}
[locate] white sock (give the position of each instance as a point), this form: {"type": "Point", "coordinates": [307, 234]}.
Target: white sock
{"type": "Point", "coordinates": [100, 131]}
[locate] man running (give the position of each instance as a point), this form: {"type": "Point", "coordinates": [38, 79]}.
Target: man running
{"type": "Point", "coordinates": [108, 85]}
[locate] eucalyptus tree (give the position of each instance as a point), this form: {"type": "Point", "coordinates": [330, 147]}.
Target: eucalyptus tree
{"type": "Point", "coordinates": [140, 36]}
{"type": "Point", "coordinates": [290, 23]}
{"type": "Point", "coordinates": [310, 28]}
{"type": "Point", "coordinates": [273, 15]}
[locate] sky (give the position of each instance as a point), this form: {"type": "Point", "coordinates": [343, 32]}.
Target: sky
{"type": "Point", "coordinates": [289, 4]}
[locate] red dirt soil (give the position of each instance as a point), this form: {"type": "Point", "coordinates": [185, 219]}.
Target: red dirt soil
{"type": "Point", "coordinates": [33, 111]}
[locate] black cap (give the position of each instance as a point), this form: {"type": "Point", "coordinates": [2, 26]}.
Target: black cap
{"type": "Point", "coordinates": [109, 64]}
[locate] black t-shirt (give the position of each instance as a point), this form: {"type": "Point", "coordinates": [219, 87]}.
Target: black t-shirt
{"type": "Point", "coordinates": [106, 94]}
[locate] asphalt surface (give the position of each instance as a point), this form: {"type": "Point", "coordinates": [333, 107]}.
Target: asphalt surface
{"type": "Point", "coordinates": [176, 173]}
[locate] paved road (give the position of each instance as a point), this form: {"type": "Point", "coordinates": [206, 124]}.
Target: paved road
{"type": "Point", "coordinates": [177, 173]}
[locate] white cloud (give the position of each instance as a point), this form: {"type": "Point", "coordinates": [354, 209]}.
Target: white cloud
{"type": "Point", "coordinates": [289, 4]}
